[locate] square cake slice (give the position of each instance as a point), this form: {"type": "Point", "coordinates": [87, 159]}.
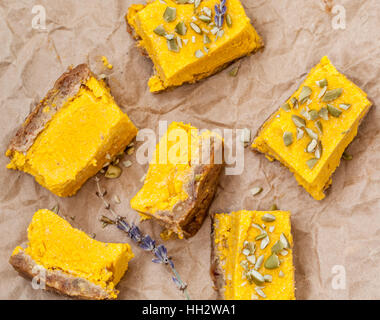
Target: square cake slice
{"type": "Point", "coordinates": [182, 179]}
{"type": "Point", "coordinates": [191, 40]}
{"type": "Point", "coordinates": [252, 256]}
{"type": "Point", "coordinates": [74, 264]}
{"type": "Point", "coordinates": [310, 131]}
{"type": "Point", "coordinates": [71, 133]}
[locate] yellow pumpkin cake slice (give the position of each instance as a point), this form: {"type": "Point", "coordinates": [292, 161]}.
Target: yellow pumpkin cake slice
{"type": "Point", "coordinates": [182, 179]}
{"type": "Point", "coordinates": [310, 131]}
{"type": "Point", "coordinates": [252, 255]}
{"type": "Point", "coordinates": [73, 263]}
{"type": "Point", "coordinates": [191, 40]}
{"type": "Point", "coordinates": [71, 133]}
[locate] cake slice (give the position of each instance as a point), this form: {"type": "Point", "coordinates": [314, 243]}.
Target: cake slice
{"type": "Point", "coordinates": [191, 40]}
{"type": "Point", "coordinates": [182, 179]}
{"type": "Point", "coordinates": [252, 256]}
{"type": "Point", "coordinates": [71, 133]}
{"type": "Point", "coordinates": [75, 264]}
{"type": "Point", "coordinates": [310, 131]}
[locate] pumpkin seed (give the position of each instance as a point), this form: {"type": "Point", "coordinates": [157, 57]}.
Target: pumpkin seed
{"type": "Point", "coordinates": [259, 262]}
{"type": "Point", "coordinates": [285, 107]}
{"type": "Point", "coordinates": [204, 18]}
{"type": "Point", "coordinates": [251, 259]}
{"type": "Point", "coordinates": [170, 14]}
{"type": "Point", "coordinates": [256, 190]}
{"type": "Point", "coordinates": [344, 106]}
{"type": "Point", "coordinates": [267, 217]}
{"type": "Point", "coordinates": [273, 207]}
{"type": "Point", "coordinates": [298, 121]}
{"type": "Point", "coordinates": [322, 92]}
{"type": "Point", "coordinates": [55, 209]}
{"type": "Point", "coordinates": [255, 276]}
{"type": "Point", "coordinates": [113, 172]}
{"type": "Point", "coordinates": [324, 113]}
{"type": "Point", "coordinates": [318, 150]}
{"type": "Point", "coordinates": [288, 138]}
{"type": "Point", "coordinates": [335, 112]}
{"type": "Point", "coordinates": [311, 146]}
{"type": "Point", "coordinates": [277, 247]}
{"type": "Point", "coordinates": [311, 134]}
{"type": "Point", "coordinates": [300, 133]}
{"type": "Point", "coordinates": [284, 253]}
{"type": "Point", "coordinates": [294, 102]}
{"type": "Point", "coordinates": [116, 199]}
{"type": "Point", "coordinates": [181, 28]}
{"type": "Point", "coordinates": [313, 115]}
{"type": "Point", "coordinates": [321, 83]}
{"type": "Point", "coordinates": [251, 247]}
{"type": "Point", "coordinates": [195, 27]}
{"type": "Point", "coordinates": [199, 54]}
{"type": "Point", "coordinates": [319, 126]}
{"type": "Point", "coordinates": [244, 264]}
{"type": "Point", "coordinates": [228, 20]}
{"type": "Point", "coordinates": [264, 243]}
{"type": "Point", "coordinates": [160, 30]}
{"type": "Point", "coordinates": [284, 241]}
{"type": "Point", "coordinates": [305, 94]}
{"type": "Point", "coordinates": [346, 156]}
{"type": "Point", "coordinates": [271, 228]}
{"type": "Point", "coordinates": [197, 3]}
{"type": "Point", "coordinates": [312, 162]}
{"type": "Point", "coordinates": [268, 278]}
{"type": "Point", "coordinates": [246, 252]}
{"type": "Point", "coordinates": [272, 262]}
{"type": "Point", "coordinates": [281, 274]}
{"type": "Point", "coordinates": [331, 95]}
{"type": "Point", "coordinates": [260, 236]}
{"type": "Point", "coordinates": [260, 292]}
{"type": "Point", "coordinates": [305, 114]}
{"type": "Point", "coordinates": [173, 45]}
{"type": "Point", "coordinates": [207, 11]}
{"type": "Point", "coordinates": [234, 71]}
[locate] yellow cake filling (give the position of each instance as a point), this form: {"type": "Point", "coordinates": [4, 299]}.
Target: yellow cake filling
{"type": "Point", "coordinates": [79, 139]}
{"type": "Point", "coordinates": [239, 238]}
{"type": "Point", "coordinates": [187, 64]}
{"type": "Point", "coordinates": [334, 132]}
{"type": "Point", "coordinates": [56, 245]}
{"type": "Point", "coordinates": [170, 169]}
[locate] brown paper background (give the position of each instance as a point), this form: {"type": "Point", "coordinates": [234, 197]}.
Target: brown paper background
{"type": "Point", "coordinates": [343, 229]}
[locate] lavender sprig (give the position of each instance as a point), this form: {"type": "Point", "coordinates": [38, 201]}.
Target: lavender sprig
{"type": "Point", "coordinates": [145, 242]}
{"type": "Point", "coordinates": [220, 11]}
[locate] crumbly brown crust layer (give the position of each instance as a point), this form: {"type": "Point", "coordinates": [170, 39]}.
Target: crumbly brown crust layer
{"type": "Point", "coordinates": [64, 88]}
{"type": "Point", "coordinates": [58, 281]}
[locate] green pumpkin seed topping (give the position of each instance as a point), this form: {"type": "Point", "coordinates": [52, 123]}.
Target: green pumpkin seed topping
{"type": "Point", "coordinates": [305, 94]}
{"type": "Point", "coordinates": [256, 190]}
{"type": "Point", "coordinates": [319, 126]}
{"type": "Point", "coordinates": [197, 3]}
{"type": "Point", "coordinates": [344, 106]}
{"type": "Point", "coordinates": [300, 133]}
{"type": "Point", "coordinates": [311, 134]}
{"type": "Point", "coordinates": [246, 252]}
{"type": "Point", "coordinates": [264, 243]}
{"type": "Point", "coordinates": [206, 39]}
{"type": "Point", "coordinates": [281, 274]}
{"type": "Point", "coordinates": [244, 264]}
{"type": "Point", "coordinates": [324, 113]}
{"type": "Point", "coordinates": [195, 27]}
{"type": "Point", "coordinates": [228, 20]}
{"type": "Point", "coordinates": [268, 278]}
{"type": "Point", "coordinates": [251, 259]}
{"type": "Point", "coordinates": [277, 247]}
{"type": "Point", "coordinates": [260, 236]}
{"type": "Point", "coordinates": [335, 112]}
{"type": "Point", "coordinates": [321, 83]}
{"type": "Point", "coordinates": [113, 172]}
{"type": "Point", "coordinates": [160, 30]}
{"type": "Point", "coordinates": [250, 245]}
{"type": "Point", "coordinates": [207, 11]}
{"type": "Point", "coordinates": [294, 102]}
{"type": "Point", "coordinates": [318, 150]}
{"type": "Point", "coordinates": [288, 138]}
{"type": "Point", "coordinates": [181, 28]}
{"type": "Point", "coordinates": [204, 18]}
{"type": "Point", "coordinates": [170, 14]}
{"type": "Point", "coordinates": [285, 107]}
{"type": "Point", "coordinates": [322, 92]}
{"type": "Point", "coordinates": [313, 115]}
{"type": "Point", "coordinates": [259, 262]}
{"type": "Point", "coordinates": [260, 292]}
{"type": "Point", "coordinates": [284, 241]}
{"type": "Point", "coordinates": [331, 95]}
{"type": "Point", "coordinates": [255, 276]}
{"type": "Point", "coordinates": [272, 262]}
{"type": "Point", "coordinates": [173, 45]}
{"type": "Point", "coordinates": [298, 121]}
{"type": "Point", "coordinates": [268, 217]}
{"type": "Point", "coordinates": [311, 146]}
{"type": "Point", "coordinates": [273, 207]}
{"type": "Point", "coordinates": [311, 163]}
